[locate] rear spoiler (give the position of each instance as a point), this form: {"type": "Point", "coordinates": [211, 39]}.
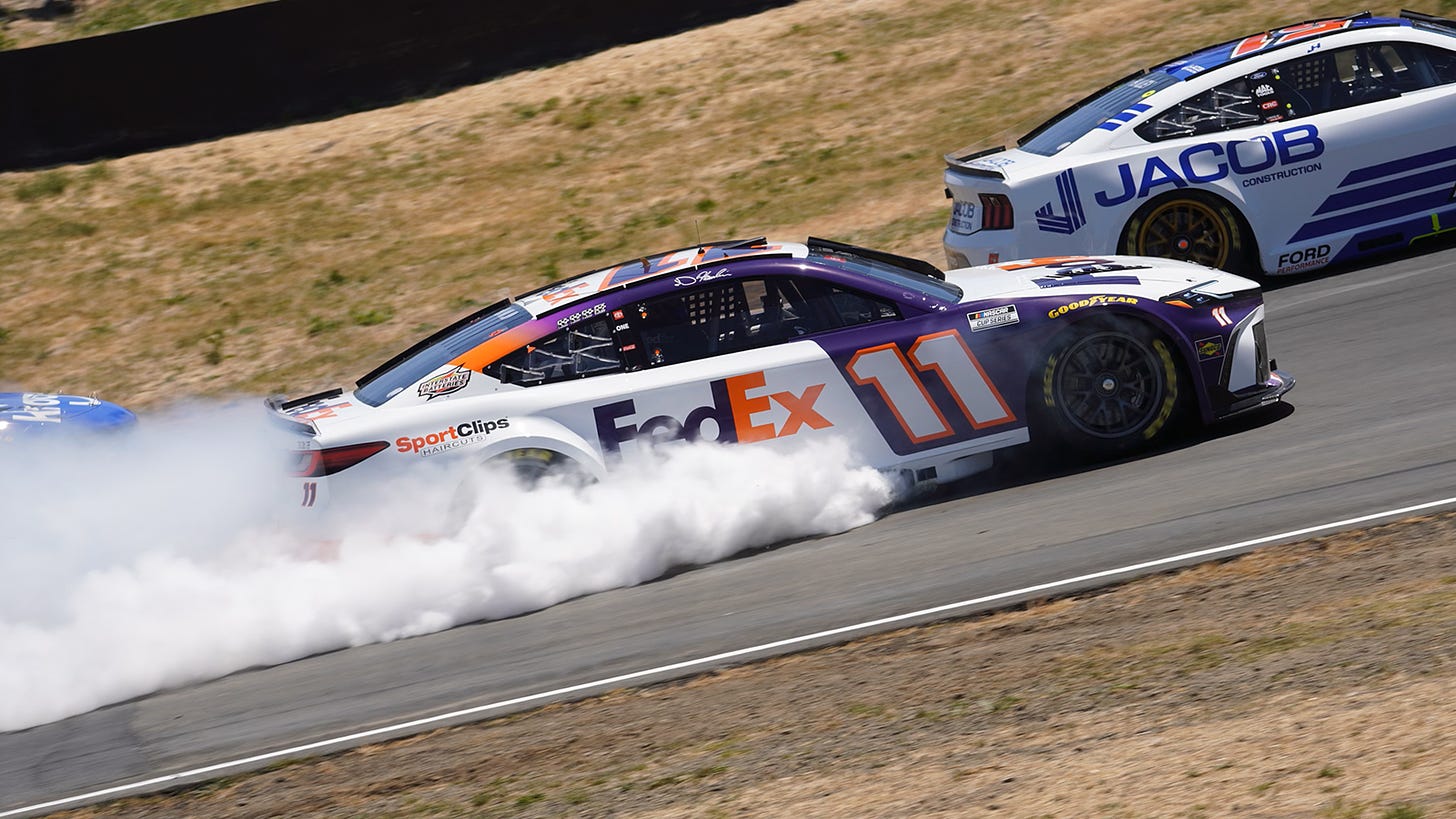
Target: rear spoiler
{"type": "Point", "coordinates": [961, 162]}
{"type": "Point", "coordinates": [279, 404]}
{"type": "Point", "coordinates": [907, 262]}
{"type": "Point", "coordinates": [1418, 17]}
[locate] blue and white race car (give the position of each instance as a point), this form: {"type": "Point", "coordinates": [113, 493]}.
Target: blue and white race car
{"type": "Point", "coordinates": [1280, 152]}
{"type": "Point", "coordinates": [923, 373]}
{"type": "Point", "coordinates": [30, 416]}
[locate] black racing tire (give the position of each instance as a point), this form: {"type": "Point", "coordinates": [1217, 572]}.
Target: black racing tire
{"type": "Point", "coordinates": [531, 466]}
{"type": "Point", "coordinates": [1191, 226]}
{"type": "Point", "coordinates": [528, 466]}
{"type": "Point", "coordinates": [1110, 387]}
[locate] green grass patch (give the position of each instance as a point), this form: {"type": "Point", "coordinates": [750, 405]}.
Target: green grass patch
{"type": "Point", "coordinates": [43, 186]}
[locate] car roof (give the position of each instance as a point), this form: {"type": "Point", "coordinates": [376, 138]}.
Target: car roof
{"type": "Point", "coordinates": [531, 321]}
{"type": "Point", "coordinates": [1211, 57]}
{"type": "Point", "coordinates": [564, 294]}
{"type": "Point", "coordinates": [1217, 56]}
{"type": "Point", "coordinates": [647, 268]}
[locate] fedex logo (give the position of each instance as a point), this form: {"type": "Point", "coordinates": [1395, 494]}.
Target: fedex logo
{"type": "Point", "coordinates": [1212, 161]}
{"type": "Point", "coordinates": [737, 412]}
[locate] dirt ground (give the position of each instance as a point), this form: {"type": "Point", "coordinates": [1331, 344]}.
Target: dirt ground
{"type": "Point", "coordinates": [1307, 680]}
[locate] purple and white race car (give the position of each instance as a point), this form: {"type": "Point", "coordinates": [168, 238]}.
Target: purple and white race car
{"type": "Point", "coordinates": [924, 373]}
{"type": "Point", "coordinates": [35, 416]}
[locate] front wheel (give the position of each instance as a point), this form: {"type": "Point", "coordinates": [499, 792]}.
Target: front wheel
{"type": "Point", "coordinates": [1111, 388]}
{"type": "Point", "coordinates": [1191, 228]}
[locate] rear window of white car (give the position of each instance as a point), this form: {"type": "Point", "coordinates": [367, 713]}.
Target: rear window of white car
{"type": "Point", "coordinates": [1079, 120]}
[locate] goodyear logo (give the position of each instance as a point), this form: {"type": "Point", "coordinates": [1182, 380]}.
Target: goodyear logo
{"type": "Point", "coordinates": [1090, 301]}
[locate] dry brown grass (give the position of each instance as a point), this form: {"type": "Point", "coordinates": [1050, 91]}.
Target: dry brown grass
{"type": "Point", "coordinates": [95, 17]}
{"type": "Point", "coordinates": [297, 258]}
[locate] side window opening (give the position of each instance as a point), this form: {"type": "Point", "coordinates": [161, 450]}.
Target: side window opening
{"type": "Point", "coordinates": [850, 309]}
{"type": "Point", "coordinates": [746, 314]}
{"type": "Point", "coordinates": [1320, 82]}
{"type": "Point", "coordinates": [1268, 95]}
{"type": "Point", "coordinates": [1365, 73]}
{"type": "Point", "coordinates": [1442, 65]}
{"type": "Point", "coordinates": [585, 349]}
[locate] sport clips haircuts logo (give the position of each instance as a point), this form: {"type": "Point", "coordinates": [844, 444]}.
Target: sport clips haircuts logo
{"type": "Point", "coordinates": [448, 438]}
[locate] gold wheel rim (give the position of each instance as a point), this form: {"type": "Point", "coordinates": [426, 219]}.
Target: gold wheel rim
{"type": "Point", "coordinates": [1188, 230]}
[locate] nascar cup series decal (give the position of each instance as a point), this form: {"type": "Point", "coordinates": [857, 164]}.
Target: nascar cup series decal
{"type": "Point", "coordinates": [993, 317]}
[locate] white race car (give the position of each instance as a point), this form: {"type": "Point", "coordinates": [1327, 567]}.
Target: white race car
{"type": "Point", "coordinates": [1280, 152]}
{"type": "Point", "coordinates": [923, 373]}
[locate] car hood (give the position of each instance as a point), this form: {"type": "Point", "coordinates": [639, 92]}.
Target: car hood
{"type": "Point", "coordinates": [31, 414]}
{"type": "Point", "coordinates": [1072, 275]}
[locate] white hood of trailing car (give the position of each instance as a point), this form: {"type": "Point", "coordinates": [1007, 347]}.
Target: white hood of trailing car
{"type": "Point", "coordinates": [1155, 278]}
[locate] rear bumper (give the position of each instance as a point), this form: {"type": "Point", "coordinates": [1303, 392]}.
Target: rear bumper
{"type": "Point", "coordinates": [981, 247]}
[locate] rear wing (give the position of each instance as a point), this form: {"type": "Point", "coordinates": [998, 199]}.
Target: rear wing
{"type": "Point", "coordinates": [960, 161]}
{"type": "Point", "coordinates": [278, 405]}
{"type": "Point", "coordinates": [906, 262]}
{"type": "Point", "coordinates": [1429, 19]}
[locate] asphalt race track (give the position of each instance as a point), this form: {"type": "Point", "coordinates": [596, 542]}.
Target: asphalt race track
{"type": "Point", "coordinates": [1373, 427]}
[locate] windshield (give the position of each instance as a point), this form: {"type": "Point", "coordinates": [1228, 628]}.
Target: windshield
{"type": "Point", "coordinates": [1075, 122]}
{"type": "Point", "coordinates": [437, 351]}
{"type": "Point", "coordinates": [895, 276]}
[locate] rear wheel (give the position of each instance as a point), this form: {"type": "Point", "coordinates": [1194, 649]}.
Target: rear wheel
{"type": "Point", "coordinates": [1111, 387]}
{"type": "Point", "coordinates": [528, 466]}
{"type": "Point", "coordinates": [531, 466]}
{"type": "Point", "coordinates": [1190, 227]}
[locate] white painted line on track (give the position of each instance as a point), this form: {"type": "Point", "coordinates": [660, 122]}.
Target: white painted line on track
{"type": "Point", "coordinates": [351, 739]}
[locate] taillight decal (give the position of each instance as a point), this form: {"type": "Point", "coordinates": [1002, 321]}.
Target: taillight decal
{"type": "Point", "coordinates": [337, 459]}
{"type": "Point", "coordinates": [996, 212]}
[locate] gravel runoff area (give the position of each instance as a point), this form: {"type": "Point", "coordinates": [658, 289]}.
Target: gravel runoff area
{"type": "Point", "coordinates": [1308, 680]}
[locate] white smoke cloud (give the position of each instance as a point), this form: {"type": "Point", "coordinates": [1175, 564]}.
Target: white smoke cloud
{"type": "Point", "coordinates": [159, 560]}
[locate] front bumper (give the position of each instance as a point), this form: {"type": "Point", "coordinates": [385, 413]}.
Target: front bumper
{"type": "Point", "coordinates": [1268, 392]}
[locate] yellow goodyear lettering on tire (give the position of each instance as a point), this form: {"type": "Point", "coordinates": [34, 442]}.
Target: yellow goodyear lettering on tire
{"type": "Point", "coordinates": [536, 454]}
{"type": "Point", "coordinates": [1090, 301]}
{"type": "Point", "coordinates": [1170, 397]}
{"type": "Point", "coordinates": [1046, 381]}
